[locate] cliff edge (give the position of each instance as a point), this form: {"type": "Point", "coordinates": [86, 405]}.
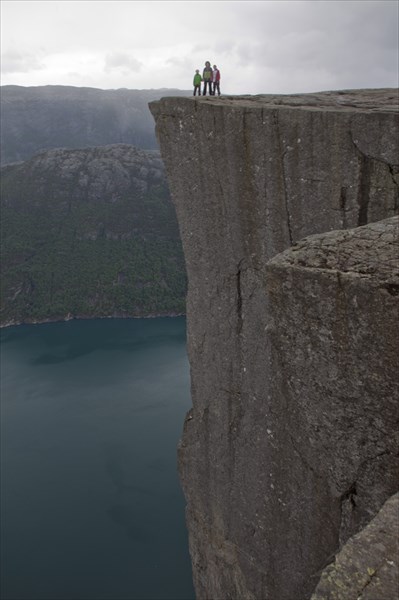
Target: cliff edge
{"type": "Point", "coordinates": [289, 448]}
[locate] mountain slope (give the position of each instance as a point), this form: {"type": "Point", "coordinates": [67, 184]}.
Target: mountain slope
{"type": "Point", "coordinates": [89, 233]}
{"type": "Point", "coordinates": [34, 119]}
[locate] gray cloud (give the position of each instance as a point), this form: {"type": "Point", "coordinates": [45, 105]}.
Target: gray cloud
{"type": "Point", "coordinates": [122, 61]}
{"type": "Point", "coordinates": [309, 45]}
{"type": "Point", "coordinates": [260, 46]}
{"type": "Point", "coordinates": [182, 62]}
{"type": "Point", "coordinates": [16, 62]}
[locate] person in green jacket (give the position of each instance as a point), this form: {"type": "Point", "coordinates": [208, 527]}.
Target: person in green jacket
{"type": "Point", "coordinates": [207, 78]}
{"type": "Point", "coordinates": [197, 83]}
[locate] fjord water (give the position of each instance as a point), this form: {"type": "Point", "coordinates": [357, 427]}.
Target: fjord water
{"type": "Point", "coordinates": [92, 412]}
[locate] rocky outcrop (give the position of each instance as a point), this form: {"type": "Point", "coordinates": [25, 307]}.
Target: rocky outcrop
{"type": "Point", "coordinates": [367, 566]}
{"type": "Point", "coordinates": [287, 451]}
{"type": "Point", "coordinates": [333, 305]}
{"type": "Point", "coordinates": [104, 174]}
{"type": "Point", "coordinates": [89, 233]}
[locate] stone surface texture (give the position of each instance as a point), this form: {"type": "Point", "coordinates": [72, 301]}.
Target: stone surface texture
{"type": "Point", "coordinates": [288, 450]}
{"type": "Point", "coordinates": [367, 567]}
{"type": "Point", "coordinates": [334, 347]}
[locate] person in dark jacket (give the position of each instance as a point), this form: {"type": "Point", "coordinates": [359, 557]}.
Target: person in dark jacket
{"type": "Point", "coordinates": [216, 80]}
{"type": "Point", "coordinates": [207, 78]}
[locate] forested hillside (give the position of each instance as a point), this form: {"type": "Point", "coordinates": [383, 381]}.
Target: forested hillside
{"type": "Point", "coordinates": [34, 119]}
{"type": "Point", "coordinates": [88, 233]}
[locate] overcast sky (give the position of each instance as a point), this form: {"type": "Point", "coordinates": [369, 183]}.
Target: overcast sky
{"type": "Point", "coordinates": [284, 46]}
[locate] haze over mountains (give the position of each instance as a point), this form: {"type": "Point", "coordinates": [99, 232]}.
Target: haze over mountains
{"type": "Point", "coordinates": [87, 225]}
{"type": "Point", "coordinates": [34, 119]}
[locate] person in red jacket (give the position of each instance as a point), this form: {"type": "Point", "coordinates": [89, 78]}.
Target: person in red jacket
{"type": "Point", "coordinates": [216, 80]}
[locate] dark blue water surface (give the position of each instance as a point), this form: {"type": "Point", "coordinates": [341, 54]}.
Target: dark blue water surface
{"type": "Point", "coordinates": [91, 414]}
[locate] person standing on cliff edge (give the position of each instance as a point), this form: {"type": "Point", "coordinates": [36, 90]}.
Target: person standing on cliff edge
{"type": "Point", "coordinates": [197, 83]}
{"type": "Point", "coordinates": [216, 80]}
{"type": "Point", "coordinates": [207, 78]}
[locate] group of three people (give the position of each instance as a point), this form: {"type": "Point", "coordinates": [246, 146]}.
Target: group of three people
{"type": "Point", "coordinates": [211, 79]}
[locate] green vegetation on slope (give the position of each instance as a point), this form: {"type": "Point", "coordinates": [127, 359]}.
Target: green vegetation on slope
{"type": "Point", "coordinates": [89, 233]}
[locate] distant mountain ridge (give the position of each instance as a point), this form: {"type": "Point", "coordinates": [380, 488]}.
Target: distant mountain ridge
{"type": "Point", "coordinates": [35, 119]}
{"type": "Point", "coordinates": [89, 233]}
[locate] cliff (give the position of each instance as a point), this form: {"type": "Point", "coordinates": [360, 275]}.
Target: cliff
{"type": "Point", "coordinates": [288, 450]}
{"type": "Point", "coordinates": [89, 233]}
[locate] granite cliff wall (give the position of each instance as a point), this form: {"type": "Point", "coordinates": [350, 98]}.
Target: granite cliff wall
{"type": "Point", "coordinates": [288, 449]}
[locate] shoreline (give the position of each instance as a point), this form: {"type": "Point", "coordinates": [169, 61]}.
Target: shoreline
{"type": "Point", "coordinates": [69, 317]}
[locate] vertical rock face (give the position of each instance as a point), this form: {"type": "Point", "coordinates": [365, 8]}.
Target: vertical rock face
{"type": "Point", "coordinates": [275, 469]}
{"type": "Point", "coordinates": [334, 348]}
